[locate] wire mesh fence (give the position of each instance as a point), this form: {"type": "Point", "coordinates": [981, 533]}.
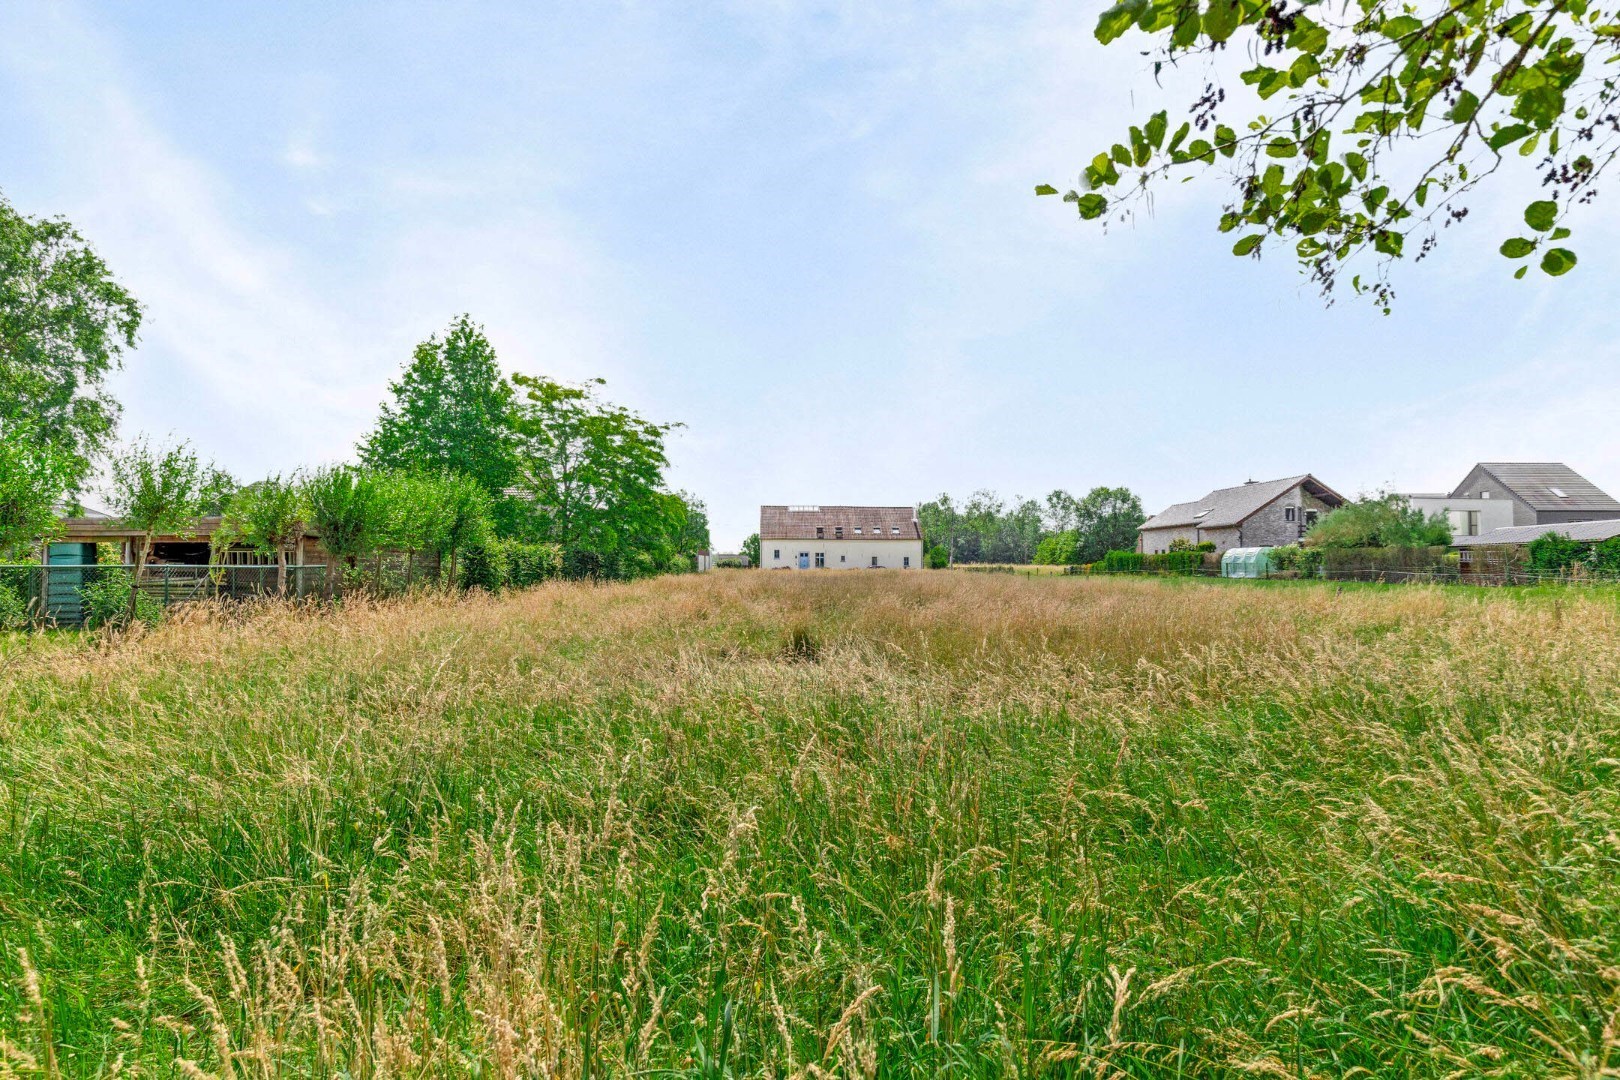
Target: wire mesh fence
{"type": "Point", "coordinates": [67, 595]}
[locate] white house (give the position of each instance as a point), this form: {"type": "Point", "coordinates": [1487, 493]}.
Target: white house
{"type": "Point", "coordinates": [840, 538]}
{"type": "Point", "coordinates": [1468, 516]}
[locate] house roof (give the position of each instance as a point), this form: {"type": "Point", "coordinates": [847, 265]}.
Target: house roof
{"type": "Point", "coordinates": [800, 522]}
{"type": "Point", "coordinates": [1534, 482]}
{"type": "Point", "coordinates": [1225, 507]}
{"type": "Point", "coordinates": [1586, 531]}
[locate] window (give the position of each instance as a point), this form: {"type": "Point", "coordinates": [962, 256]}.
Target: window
{"type": "Point", "coordinates": [840, 558]}
{"type": "Point", "coordinates": [1484, 494]}
{"type": "Point", "coordinates": [1288, 513]}
{"type": "Point", "coordinates": [1202, 513]}
{"type": "Point", "coordinates": [821, 532]}
{"type": "Point", "coordinates": [838, 532]}
{"type": "Point", "coordinates": [1558, 492]}
{"type": "Point", "coordinates": [894, 530]}
{"type": "Point", "coordinates": [1473, 523]}
{"type": "Point", "coordinates": [905, 562]}
{"type": "Point", "coordinates": [1310, 518]}
{"type": "Point", "coordinates": [776, 554]}
{"type": "Point", "coordinates": [874, 560]}
{"type": "Point", "coordinates": [857, 530]}
{"type": "Point", "coordinates": [821, 560]}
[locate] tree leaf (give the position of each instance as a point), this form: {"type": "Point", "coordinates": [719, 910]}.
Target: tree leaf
{"type": "Point", "coordinates": [1541, 214]}
{"type": "Point", "coordinates": [1247, 244]}
{"type": "Point", "coordinates": [1558, 261]}
{"type": "Point", "coordinates": [1467, 105]}
{"type": "Point", "coordinates": [1118, 19]}
{"type": "Point", "coordinates": [1045, 189]}
{"type": "Point", "coordinates": [1092, 205]}
{"type": "Point", "coordinates": [1517, 247]}
{"type": "Point", "coordinates": [1221, 18]}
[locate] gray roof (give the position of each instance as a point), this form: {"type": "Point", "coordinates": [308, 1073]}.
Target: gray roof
{"type": "Point", "coordinates": [875, 522]}
{"type": "Point", "coordinates": [1225, 507]}
{"type": "Point", "coordinates": [1533, 482]}
{"type": "Point", "coordinates": [1586, 531]}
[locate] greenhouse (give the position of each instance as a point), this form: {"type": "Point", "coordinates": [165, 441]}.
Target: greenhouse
{"type": "Point", "coordinates": [1250, 562]}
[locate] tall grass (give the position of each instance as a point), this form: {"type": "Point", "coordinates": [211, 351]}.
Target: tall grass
{"type": "Point", "coordinates": [796, 825]}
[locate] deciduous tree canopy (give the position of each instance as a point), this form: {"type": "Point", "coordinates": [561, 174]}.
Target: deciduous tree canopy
{"type": "Point", "coordinates": [1375, 122]}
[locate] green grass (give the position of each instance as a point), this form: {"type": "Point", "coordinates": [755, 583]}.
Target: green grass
{"type": "Point", "coordinates": [757, 824]}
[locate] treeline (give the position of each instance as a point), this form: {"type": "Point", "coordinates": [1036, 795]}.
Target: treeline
{"type": "Point", "coordinates": [460, 456]}
{"type": "Point", "coordinates": [1062, 530]}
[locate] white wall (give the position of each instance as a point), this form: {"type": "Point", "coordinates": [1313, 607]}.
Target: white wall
{"type": "Point", "coordinates": [842, 554]}
{"type": "Point", "coordinates": [1493, 513]}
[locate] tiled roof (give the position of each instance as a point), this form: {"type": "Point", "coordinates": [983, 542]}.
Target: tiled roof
{"type": "Point", "coordinates": [1226, 507]}
{"type": "Point", "coordinates": [1585, 531]}
{"type": "Point", "coordinates": [800, 522]}
{"type": "Point", "coordinates": [1534, 481]}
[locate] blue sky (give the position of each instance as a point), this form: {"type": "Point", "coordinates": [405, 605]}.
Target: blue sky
{"type": "Point", "coordinates": [806, 231]}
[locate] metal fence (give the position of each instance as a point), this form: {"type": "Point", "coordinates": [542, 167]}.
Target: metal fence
{"type": "Point", "coordinates": [56, 595]}
{"type": "Point", "coordinates": [1393, 575]}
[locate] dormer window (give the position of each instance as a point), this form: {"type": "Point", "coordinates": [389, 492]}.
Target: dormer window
{"type": "Point", "coordinates": [838, 532]}
{"type": "Point", "coordinates": [857, 530]}
{"type": "Point", "coordinates": [821, 532]}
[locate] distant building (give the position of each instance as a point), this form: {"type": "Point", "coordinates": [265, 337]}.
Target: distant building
{"type": "Point", "coordinates": [1467, 516]}
{"type": "Point", "coordinates": [1539, 493]}
{"type": "Point", "coordinates": [839, 538]}
{"type": "Point", "coordinates": [733, 558]}
{"type": "Point", "coordinates": [1265, 513]}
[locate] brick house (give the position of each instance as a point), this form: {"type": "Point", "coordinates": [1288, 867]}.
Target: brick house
{"type": "Point", "coordinates": [1260, 513]}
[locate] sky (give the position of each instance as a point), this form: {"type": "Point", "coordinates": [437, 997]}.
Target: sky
{"type": "Point", "coordinates": [807, 232]}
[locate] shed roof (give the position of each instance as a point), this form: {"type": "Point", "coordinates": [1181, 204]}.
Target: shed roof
{"type": "Point", "coordinates": [1585, 531]}
{"type": "Point", "coordinates": [800, 522]}
{"type": "Point", "coordinates": [1537, 484]}
{"type": "Point", "coordinates": [1225, 507]}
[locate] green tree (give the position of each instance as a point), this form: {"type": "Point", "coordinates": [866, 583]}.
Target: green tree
{"type": "Point", "coordinates": [155, 490]}
{"type": "Point", "coordinates": [464, 518]}
{"type": "Point", "coordinates": [1058, 549]}
{"type": "Point", "coordinates": [344, 506]}
{"type": "Point", "coordinates": [34, 475]}
{"type": "Point", "coordinates": [941, 523]}
{"type": "Point", "coordinates": [695, 528]}
{"type": "Point", "coordinates": [450, 413]}
{"type": "Point", "coordinates": [1380, 119]}
{"type": "Point", "coordinates": [595, 473]}
{"type": "Point", "coordinates": [64, 326]}
{"type": "Point", "coordinates": [750, 548]}
{"type": "Point", "coordinates": [1555, 551]}
{"type": "Point", "coordinates": [1377, 521]}
{"type": "Point", "coordinates": [269, 517]}
{"type": "Point", "coordinates": [1106, 520]}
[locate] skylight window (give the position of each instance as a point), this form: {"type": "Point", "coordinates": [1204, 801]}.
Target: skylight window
{"type": "Point", "coordinates": [1203, 512]}
{"type": "Point", "coordinates": [1558, 492]}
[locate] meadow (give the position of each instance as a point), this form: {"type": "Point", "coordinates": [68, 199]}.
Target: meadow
{"type": "Point", "coordinates": [751, 824]}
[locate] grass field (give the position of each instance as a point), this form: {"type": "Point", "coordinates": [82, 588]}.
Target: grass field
{"type": "Point", "coordinates": [809, 825]}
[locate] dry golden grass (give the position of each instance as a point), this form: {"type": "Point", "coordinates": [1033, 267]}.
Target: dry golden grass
{"type": "Point", "coordinates": [771, 824]}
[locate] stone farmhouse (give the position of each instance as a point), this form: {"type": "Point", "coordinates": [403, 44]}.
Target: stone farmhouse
{"type": "Point", "coordinates": [840, 538]}
{"type": "Point", "coordinates": [1260, 513]}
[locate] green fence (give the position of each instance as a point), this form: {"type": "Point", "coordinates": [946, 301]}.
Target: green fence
{"type": "Point", "coordinates": [53, 594]}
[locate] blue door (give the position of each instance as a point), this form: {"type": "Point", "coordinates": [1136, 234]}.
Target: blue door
{"type": "Point", "coordinates": [804, 560]}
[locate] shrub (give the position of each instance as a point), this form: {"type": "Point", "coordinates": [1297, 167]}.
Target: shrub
{"type": "Point", "coordinates": [937, 558]}
{"type": "Point", "coordinates": [1293, 559]}
{"type": "Point", "coordinates": [1554, 551]}
{"type": "Point", "coordinates": [13, 609]}
{"type": "Point", "coordinates": [1187, 561]}
{"type": "Point", "coordinates": [1059, 549]}
{"type": "Point", "coordinates": [1122, 562]}
{"type": "Point", "coordinates": [1606, 556]}
{"type": "Point", "coordinates": [106, 601]}
{"type": "Point", "coordinates": [509, 564]}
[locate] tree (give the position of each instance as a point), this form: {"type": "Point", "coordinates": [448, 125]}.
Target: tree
{"type": "Point", "coordinates": [695, 529]}
{"type": "Point", "coordinates": [269, 516]}
{"type": "Point", "coordinates": [1390, 114]}
{"type": "Point", "coordinates": [1376, 521]}
{"type": "Point", "coordinates": [1058, 549]}
{"type": "Point", "coordinates": [941, 523]}
{"type": "Point", "coordinates": [464, 517]}
{"type": "Point", "coordinates": [64, 326]}
{"type": "Point", "coordinates": [155, 490]}
{"type": "Point", "coordinates": [1106, 520]}
{"type": "Point", "coordinates": [1555, 551]}
{"type": "Point", "coordinates": [595, 473]}
{"type": "Point", "coordinates": [450, 412]}
{"type": "Point", "coordinates": [33, 477]}
{"type": "Point", "coordinates": [750, 548]}
{"type": "Point", "coordinates": [344, 506]}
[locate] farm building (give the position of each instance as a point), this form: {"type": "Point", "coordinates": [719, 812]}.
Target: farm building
{"type": "Point", "coordinates": [1539, 493]}
{"type": "Point", "coordinates": [1264, 513]}
{"type": "Point", "coordinates": [1501, 551]}
{"type": "Point", "coordinates": [839, 538]}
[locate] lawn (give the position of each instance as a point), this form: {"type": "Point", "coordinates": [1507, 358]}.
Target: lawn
{"type": "Point", "coordinates": [803, 825]}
